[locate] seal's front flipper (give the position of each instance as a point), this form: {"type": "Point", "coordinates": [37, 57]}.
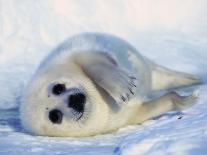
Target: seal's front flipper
{"type": "Point", "coordinates": [169, 102]}
{"type": "Point", "coordinates": [103, 70]}
{"type": "Point", "coordinates": [114, 81]}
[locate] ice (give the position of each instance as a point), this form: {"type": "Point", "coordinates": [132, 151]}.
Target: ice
{"type": "Point", "coordinates": [183, 134]}
{"type": "Point", "coordinates": [171, 33]}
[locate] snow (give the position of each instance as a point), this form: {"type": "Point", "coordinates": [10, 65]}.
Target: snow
{"type": "Point", "coordinates": [171, 33]}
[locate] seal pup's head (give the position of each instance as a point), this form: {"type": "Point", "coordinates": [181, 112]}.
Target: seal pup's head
{"type": "Point", "coordinates": [62, 101]}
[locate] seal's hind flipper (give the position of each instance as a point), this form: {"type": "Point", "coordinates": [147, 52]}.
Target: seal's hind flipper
{"type": "Point", "coordinates": [165, 79]}
{"type": "Point", "coordinates": [105, 72]}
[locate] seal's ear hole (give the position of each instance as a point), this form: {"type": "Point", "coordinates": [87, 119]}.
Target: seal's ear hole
{"type": "Point", "coordinates": [55, 116]}
{"type": "Point", "coordinates": [58, 89]}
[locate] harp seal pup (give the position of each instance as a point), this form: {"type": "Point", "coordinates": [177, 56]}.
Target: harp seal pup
{"type": "Point", "coordinates": [95, 83]}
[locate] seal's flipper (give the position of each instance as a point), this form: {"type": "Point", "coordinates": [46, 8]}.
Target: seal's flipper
{"type": "Point", "coordinates": [105, 72]}
{"type": "Point", "coordinates": [169, 102]}
{"type": "Point", "coordinates": [165, 79]}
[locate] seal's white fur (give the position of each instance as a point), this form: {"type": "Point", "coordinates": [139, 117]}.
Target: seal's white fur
{"type": "Point", "coordinates": [93, 62]}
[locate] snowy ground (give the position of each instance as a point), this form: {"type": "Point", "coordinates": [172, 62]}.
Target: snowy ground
{"type": "Point", "coordinates": [170, 32]}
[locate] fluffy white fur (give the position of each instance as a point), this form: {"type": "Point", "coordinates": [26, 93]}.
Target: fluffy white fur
{"type": "Point", "coordinates": [100, 65]}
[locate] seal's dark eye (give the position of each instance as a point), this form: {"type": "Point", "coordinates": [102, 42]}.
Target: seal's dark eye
{"type": "Point", "coordinates": [56, 116]}
{"type": "Point", "coordinates": [58, 89]}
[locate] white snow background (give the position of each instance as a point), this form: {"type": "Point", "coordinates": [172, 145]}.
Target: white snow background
{"type": "Point", "coordinates": [172, 33]}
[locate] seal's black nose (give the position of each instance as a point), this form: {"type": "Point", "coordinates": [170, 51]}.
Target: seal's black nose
{"type": "Point", "coordinates": [56, 116]}
{"type": "Point", "coordinates": [77, 102]}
